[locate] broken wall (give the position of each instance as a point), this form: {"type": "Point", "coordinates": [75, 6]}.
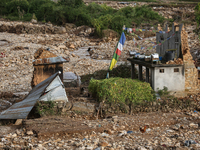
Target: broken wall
{"type": "Point", "coordinates": [42, 72]}
{"type": "Point", "coordinates": [191, 73]}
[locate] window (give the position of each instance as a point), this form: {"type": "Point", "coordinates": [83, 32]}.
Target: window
{"type": "Point", "coordinates": [176, 69]}
{"type": "Point", "coordinates": [176, 39]}
{"type": "Point", "coordinates": [161, 70]}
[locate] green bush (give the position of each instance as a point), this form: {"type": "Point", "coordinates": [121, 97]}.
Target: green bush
{"type": "Point", "coordinates": [45, 11]}
{"type": "Point", "coordinates": [197, 14]}
{"type": "Point", "coordinates": [140, 0]}
{"type": "Point", "coordinates": [34, 6]}
{"type": "Point", "coordinates": [71, 3]}
{"type": "Point", "coordinates": [3, 9]}
{"type": "Point", "coordinates": [74, 11]}
{"type": "Point", "coordinates": [121, 90]}
{"type": "Point", "coordinates": [12, 6]}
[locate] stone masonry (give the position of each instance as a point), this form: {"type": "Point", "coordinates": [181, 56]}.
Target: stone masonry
{"type": "Point", "coordinates": [191, 73]}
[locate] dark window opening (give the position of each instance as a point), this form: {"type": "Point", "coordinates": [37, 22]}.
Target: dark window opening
{"type": "Point", "coordinates": [176, 69]}
{"type": "Point", "coordinates": [176, 39]}
{"type": "Point", "coordinates": [161, 70]}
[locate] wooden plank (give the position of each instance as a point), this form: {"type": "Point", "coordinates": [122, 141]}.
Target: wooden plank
{"type": "Point", "coordinates": [147, 74]}
{"type": "Point", "coordinates": [133, 75]}
{"type": "Point", "coordinates": [157, 40]}
{"type": "Point", "coordinates": [170, 40]}
{"type": "Point", "coordinates": [165, 44]}
{"type": "Point", "coordinates": [179, 40]}
{"type": "Point", "coordinates": [140, 73]}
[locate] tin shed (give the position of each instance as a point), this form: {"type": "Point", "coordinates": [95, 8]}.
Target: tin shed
{"type": "Point", "coordinates": [50, 89]}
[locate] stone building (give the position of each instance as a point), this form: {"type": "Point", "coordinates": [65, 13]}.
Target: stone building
{"type": "Point", "coordinates": [179, 74]}
{"type": "Point", "coordinates": [45, 65]}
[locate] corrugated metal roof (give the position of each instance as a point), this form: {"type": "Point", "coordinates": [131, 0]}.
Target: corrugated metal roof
{"type": "Point", "coordinates": [51, 60]}
{"type": "Point", "coordinates": [21, 110]}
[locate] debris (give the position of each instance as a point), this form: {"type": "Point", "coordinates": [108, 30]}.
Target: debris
{"type": "Point", "coordinates": [70, 79]}
{"type": "Point", "coordinates": [193, 125]}
{"type": "Point", "coordinates": [18, 122]}
{"type": "Point", "coordinates": [129, 132]}
{"type": "Point", "coordinates": [188, 142]}
{"type": "Point", "coordinates": [122, 133]}
{"type": "Point", "coordinates": [29, 132]}
{"type": "Point", "coordinates": [51, 87]}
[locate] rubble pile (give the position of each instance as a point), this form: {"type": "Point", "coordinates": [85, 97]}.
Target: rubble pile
{"type": "Point", "coordinates": [165, 131]}
{"type": "Point", "coordinates": [17, 67]}
{"type": "Point", "coordinates": [182, 12]}
{"type": "Point", "coordinates": [19, 50]}
{"type": "Point", "coordinates": [22, 28]}
{"type": "Point", "coordinates": [176, 13]}
{"type": "Point", "coordinates": [178, 61]}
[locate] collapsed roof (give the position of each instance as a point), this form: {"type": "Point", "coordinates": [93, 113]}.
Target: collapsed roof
{"type": "Point", "coordinates": [50, 89]}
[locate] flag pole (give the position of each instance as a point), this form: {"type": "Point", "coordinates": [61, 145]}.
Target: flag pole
{"type": "Point", "coordinates": [107, 76]}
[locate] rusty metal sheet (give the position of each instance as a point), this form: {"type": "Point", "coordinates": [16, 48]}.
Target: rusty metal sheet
{"type": "Point", "coordinates": [51, 60]}
{"type": "Point", "coordinates": [21, 110]}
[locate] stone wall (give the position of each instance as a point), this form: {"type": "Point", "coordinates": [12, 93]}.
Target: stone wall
{"type": "Point", "coordinates": [191, 73]}
{"type": "Point", "coordinates": [29, 28]}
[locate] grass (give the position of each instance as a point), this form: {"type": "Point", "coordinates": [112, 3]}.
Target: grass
{"type": "Point", "coordinates": [45, 108]}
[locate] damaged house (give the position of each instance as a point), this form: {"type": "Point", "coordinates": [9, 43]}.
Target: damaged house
{"type": "Point", "coordinates": [45, 65]}
{"type": "Point", "coordinates": [176, 70]}
{"type": "Point", "coordinates": [50, 89]}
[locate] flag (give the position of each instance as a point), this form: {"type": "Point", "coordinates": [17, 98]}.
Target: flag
{"type": "Point", "coordinates": [118, 51]}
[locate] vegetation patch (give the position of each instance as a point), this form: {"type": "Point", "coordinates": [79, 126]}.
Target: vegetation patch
{"type": "Point", "coordinates": [45, 108]}
{"type": "Point", "coordinates": [121, 91]}
{"type": "Point", "coordinates": [75, 11]}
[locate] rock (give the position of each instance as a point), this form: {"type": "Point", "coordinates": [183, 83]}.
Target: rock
{"type": "Point", "coordinates": [72, 46]}
{"type": "Point", "coordinates": [18, 122]}
{"type": "Point", "coordinates": [29, 132]}
{"type": "Point", "coordinates": [109, 132]}
{"type": "Point", "coordinates": [40, 147]}
{"type": "Point", "coordinates": [14, 135]}
{"type": "Point", "coordinates": [105, 135]}
{"type": "Point", "coordinates": [122, 133]}
{"type": "Point", "coordinates": [18, 132]}
{"type": "Point", "coordinates": [33, 21]}
{"type": "Point", "coordinates": [193, 125]}
{"type": "Point", "coordinates": [83, 107]}
{"type": "Point", "coordinates": [62, 46]}
{"type": "Point", "coordinates": [73, 55]}
{"type": "Point", "coordinates": [114, 119]}
{"type": "Point", "coordinates": [141, 148]}
{"type": "Point", "coordinates": [103, 144]}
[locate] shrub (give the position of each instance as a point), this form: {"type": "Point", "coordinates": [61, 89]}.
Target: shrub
{"type": "Point", "coordinates": [45, 11]}
{"type": "Point", "coordinates": [74, 11]}
{"type": "Point", "coordinates": [121, 90]}
{"type": "Point", "coordinates": [3, 9]}
{"type": "Point", "coordinates": [12, 6]}
{"type": "Point", "coordinates": [71, 3]}
{"type": "Point", "coordinates": [58, 15]}
{"type": "Point", "coordinates": [197, 14]}
{"type": "Point", "coordinates": [145, 14]}
{"type": "Point", "coordinates": [35, 5]}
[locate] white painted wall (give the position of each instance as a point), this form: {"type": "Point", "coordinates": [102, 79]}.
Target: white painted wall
{"type": "Point", "coordinates": [174, 81]}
